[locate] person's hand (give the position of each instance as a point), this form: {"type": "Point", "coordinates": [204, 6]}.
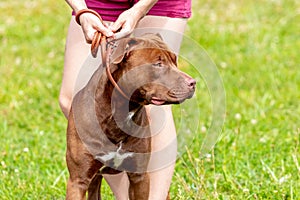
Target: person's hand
{"type": "Point", "coordinates": [90, 24]}
{"type": "Point", "coordinates": [125, 23]}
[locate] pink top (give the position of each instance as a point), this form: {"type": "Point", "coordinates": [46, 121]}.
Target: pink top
{"type": "Point", "coordinates": [111, 9]}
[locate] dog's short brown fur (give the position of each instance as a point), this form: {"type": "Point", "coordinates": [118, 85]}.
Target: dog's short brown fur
{"type": "Point", "coordinates": [164, 84]}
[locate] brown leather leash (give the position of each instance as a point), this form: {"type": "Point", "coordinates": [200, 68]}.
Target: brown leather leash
{"type": "Point", "coordinates": [106, 49]}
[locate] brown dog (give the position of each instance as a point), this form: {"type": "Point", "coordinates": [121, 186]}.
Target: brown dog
{"type": "Point", "coordinates": [108, 133]}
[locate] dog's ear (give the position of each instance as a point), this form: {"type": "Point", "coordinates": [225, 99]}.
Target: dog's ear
{"type": "Point", "coordinates": [124, 46]}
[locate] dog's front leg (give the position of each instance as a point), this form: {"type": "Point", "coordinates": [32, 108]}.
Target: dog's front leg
{"type": "Point", "coordinates": [139, 187]}
{"type": "Point", "coordinates": [81, 165]}
{"type": "Point", "coordinates": [76, 190]}
{"type": "Point", "coordinates": [83, 179]}
{"type": "Point", "coordinates": [94, 188]}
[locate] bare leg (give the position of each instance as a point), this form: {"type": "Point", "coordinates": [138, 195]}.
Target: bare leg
{"type": "Point", "coordinates": [76, 52]}
{"type": "Point", "coordinates": [119, 184]}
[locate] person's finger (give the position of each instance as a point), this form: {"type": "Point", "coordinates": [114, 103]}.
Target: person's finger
{"type": "Point", "coordinates": [91, 24]}
{"type": "Point", "coordinates": [117, 25]}
{"type": "Point", "coordinates": [121, 34]}
{"type": "Point", "coordinates": [104, 30]}
{"type": "Point", "coordinates": [89, 35]}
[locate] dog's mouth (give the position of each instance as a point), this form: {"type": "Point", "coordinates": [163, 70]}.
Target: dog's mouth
{"type": "Point", "coordinates": [180, 96]}
{"type": "Point", "coordinates": [163, 97]}
{"type": "Point", "coordinates": [172, 99]}
{"type": "Point", "coordinates": [157, 101]}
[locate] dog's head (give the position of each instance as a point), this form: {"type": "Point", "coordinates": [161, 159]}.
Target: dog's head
{"type": "Point", "coordinates": [147, 69]}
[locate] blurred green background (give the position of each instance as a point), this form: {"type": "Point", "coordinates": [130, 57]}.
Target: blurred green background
{"type": "Point", "coordinates": [255, 46]}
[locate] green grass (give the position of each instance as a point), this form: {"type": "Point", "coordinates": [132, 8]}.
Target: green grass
{"type": "Point", "coordinates": [255, 46]}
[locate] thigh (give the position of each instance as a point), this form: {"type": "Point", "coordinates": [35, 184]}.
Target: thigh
{"type": "Point", "coordinates": [76, 52]}
{"type": "Point", "coordinates": [171, 29]}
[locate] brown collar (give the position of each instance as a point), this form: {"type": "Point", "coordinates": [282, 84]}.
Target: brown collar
{"type": "Point", "coordinates": [106, 50]}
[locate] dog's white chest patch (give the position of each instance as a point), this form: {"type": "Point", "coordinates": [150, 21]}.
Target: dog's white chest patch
{"type": "Point", "coordinates": [116, 157]}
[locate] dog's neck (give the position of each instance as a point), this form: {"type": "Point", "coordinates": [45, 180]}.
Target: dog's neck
{"type": "Point", "coordinates": [119, 117]}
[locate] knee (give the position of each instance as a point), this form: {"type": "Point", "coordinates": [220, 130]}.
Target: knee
{"type": "Point", "coordinates": [65, 104]}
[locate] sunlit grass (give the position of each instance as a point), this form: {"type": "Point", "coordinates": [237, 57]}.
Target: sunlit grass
{"type": "Point", "coordinates": [255, 46]}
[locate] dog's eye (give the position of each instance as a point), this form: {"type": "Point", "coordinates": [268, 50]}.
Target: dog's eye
{"type": "Point", "coordinates": [158, 64]}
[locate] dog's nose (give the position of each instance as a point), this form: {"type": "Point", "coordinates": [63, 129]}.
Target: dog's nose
{"type": "Point", "coordinates": [191, 83]}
